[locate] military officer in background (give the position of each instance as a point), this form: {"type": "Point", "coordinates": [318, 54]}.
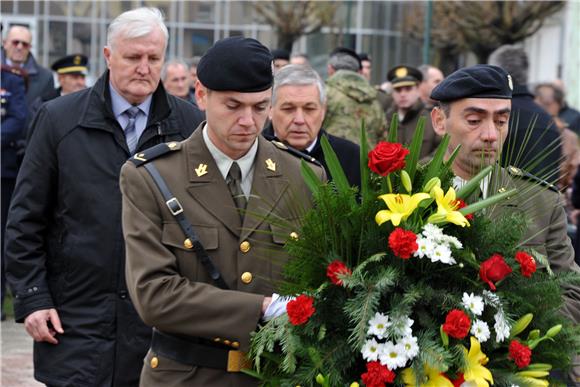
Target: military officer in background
{"type": "Point", "coordinates": [242, 196]}
{"type": "Point", "coordinates": [474, 106]}
{"type": "Point", "coordinates": [407, 104]}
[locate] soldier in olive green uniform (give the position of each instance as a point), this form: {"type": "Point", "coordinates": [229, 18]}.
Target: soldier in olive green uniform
{"type": "Point", "coordinates": [351, 98]}
{"type": "Point", "coordinates": [474, 109]}
{"type": "Point", "coordinates": [243, 197]}
{"type": "Point", "coordinates": [407, 104]}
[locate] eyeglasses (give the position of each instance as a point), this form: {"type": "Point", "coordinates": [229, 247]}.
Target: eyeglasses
{"type": "Point", "coordinates": [17, 42]}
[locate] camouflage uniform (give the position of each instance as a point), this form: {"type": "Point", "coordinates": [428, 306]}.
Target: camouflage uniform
{"type": "Point", "coordinates": [350, 99]}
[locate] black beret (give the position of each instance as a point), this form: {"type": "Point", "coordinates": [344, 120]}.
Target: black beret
{"type": "Point", "coordinates": [71, 64]}
{"type": "Point", "coordinates": [347, 51]}
{"type": "Point", "coordinates": [479, 81]}
{"type": "Point", "coordinates": [280, 53]}
{"type": "Point", "coordinates": [400, 76]}
{"type": "Point", "coordinates": [236, 64]}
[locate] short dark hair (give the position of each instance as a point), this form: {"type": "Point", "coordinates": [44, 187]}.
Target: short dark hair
{"type": "Point", "coordinates": [445, 107]}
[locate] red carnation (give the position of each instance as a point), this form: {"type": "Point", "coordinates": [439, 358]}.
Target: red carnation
{"type": "Point", "coordinates": [387, 157]}
{"type": "Point", "coordinates": [335, 268]}
{"type": "Point", "coordinates": [300, 309]}
{"type": "Point", "coordinates": [457, 324]}
{"type": "Point", "coordinates": [377, 375]}
{"type": "Point", "coordinates": [493, 270]}
{"type": "Point", "coordinates": [521, 354]}
{"type": "Point", "coordinates": [527, 263]}
{"type": "Point", "coordinates": [459, 203]}
{"type": "Point", "coordinates": [458, 381]}
{"type": "Point", "coordinates": [403, 243]}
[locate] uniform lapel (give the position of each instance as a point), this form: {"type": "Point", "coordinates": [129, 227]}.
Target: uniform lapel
{"type": "Point", "coordinates": [207, 185]}
{"type": "Point", "coordinates": [268, 186]}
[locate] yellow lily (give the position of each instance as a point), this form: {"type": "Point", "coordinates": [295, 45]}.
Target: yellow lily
{"type": "Point", "coordinates": [434, 376]}
{"type": "Point", "coordinates": [475, 371]}
{"type": "Point", "coordinates": [446, 207]}
{"type": "Point", "coordinates": [400, 207]}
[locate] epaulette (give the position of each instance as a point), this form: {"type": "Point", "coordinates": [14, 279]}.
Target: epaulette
{"type": "Point", "coordinates": [520, 173]}
{"type": "Point", "coordinates": [295, 152]}
{"type": "Point", "coordinates": [154, 152]}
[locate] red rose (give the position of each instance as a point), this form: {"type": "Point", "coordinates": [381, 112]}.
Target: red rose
{"type": "Point", "coordinates": [387, 157]}
{"type": "Point", "coordinates": [335, 268]}
{"type": "Point", "coordinates": [377, 375]}
{"type": "Point", "coordinates": [459, 204]}
{"type": "Point", "coordinates": [521, 354]}
{"type": "Point", "coordinates": [403, 243]}
{"type": "Point", "coordinates": [493, 270]}
{"type": "Point", "coordinates": [457, 324]}
{"type": "Point", "coordinates": [300, 309]}
{"type": "Point", "coordinates": [527, 263]}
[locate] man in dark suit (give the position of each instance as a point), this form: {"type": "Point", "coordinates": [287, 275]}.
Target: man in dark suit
{"type": "Point", "coordinates": [242, 195]}
{"type": "Point", "coordinates": [297, 112]}
{"type": "Point", "coordinates": [65, 256]}
{"type": "Point", "coordinates": [533, 142]}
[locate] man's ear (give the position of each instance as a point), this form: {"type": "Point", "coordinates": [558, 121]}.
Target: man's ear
{"type": "Point", "coordinates": [200, 95]}
{"type": "Point", "coordinates": [438, 120]}
{"type": "Point", "coordinates": [107, 55]}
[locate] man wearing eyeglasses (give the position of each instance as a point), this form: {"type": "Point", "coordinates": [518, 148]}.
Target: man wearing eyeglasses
{"type": "Point", "coordinates": [16, 52]}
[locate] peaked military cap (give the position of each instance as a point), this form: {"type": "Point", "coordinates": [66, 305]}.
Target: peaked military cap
{"type": "Point", "coordinates": [400, 76]}
{"type": "Point", "coordinates": [236, 64]}
{"type": "Point", "coordinates": [280, 53]}
{"type": "Point", "coordinates": [479, 81]}
{"type": "Point", "coordinates": [71, 64]}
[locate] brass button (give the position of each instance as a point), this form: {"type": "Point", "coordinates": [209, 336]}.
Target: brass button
{"type": "Point", "coordinates": [501, 190]}
{"type": "Point", "coordinates": [187, 244]}
{"type": "Point", "coordinates": [235, 345]}
{"type": "Point", "coordinates": [294, 235]}
{"type": "Point", "coordinates": [172, 145]}
{"type": "Point", "coordinates": [154, 362]}
{"type": "Point", "coordinates": [245, 246]}
{"type": "Point", "coordinates": [247, 277]}
{"type": "Point", "coordinates": [217, 339]}
{"type": "Point", "coordinates": [227, 342]}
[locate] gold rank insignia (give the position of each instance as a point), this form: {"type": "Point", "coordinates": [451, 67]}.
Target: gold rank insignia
{"type": "Point", "coordinates": [201, 170]}
{"type": "Point", "coordinates": [515, 171]}
{"type": "Point", "coordinates": [401, 72]}
{"type": "Point", "coordinates": [77, 60]}
{"type": "Point", "coordinates": [140, 157]}
{"type": "Point", "coordinates": [271, 165]}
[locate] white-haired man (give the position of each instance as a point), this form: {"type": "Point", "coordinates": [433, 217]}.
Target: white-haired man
{"type": "Point", "coordinates": [64, 243]}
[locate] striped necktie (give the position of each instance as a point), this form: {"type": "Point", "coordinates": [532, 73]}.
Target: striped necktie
{"type": "Point", "coordinates": [131, 135]}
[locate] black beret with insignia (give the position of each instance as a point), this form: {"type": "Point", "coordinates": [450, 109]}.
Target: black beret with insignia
{"type": "Point", "coordinates": [236, 64]}
{"type": "Point", "coordinates": [71, 64]}
{"type": "Point", "coordinates": [479, 81]}
{"type": "Point", "coordinates": [400, 76]}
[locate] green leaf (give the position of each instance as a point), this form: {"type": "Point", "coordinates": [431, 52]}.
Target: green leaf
{"type": "Point", "coordinates": [415, 148]}
{"type": "Point", "coordinates": [472, 208]}
{"type": "Point", "coordinates": [334, 167]}
{"type": "Point", "coordinates": [392, 137]}
{"type": "Point", "coordinates": [435, 167]}
{"type": "Point", "coordinates": [473, 183]}
{"type": "Point", "coordinates": [311, 179]}
{"type": "Point", "coordinates": [364, 161]}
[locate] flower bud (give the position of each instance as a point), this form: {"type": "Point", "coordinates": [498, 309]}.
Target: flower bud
{"type": "Point", "coordinates": [554, 330]}
{"type": "Point", "coordinates": [540, 367]}
{"type": "Point", "coordinates": [406, 180]}
{"type": "Point", "coordinates": [320, 379]}
{"type": "Point", "coordinates": [534, 334]}
{"type": "Point", "coordinates": [354, 384]}
{"type": "Point", "coordinates": [444, 337]}
{"type": "Point", "coordinates": [435, 181]}
{"type": "Point", "coordinates": [521, 324]}
{"type": "Point", "coordinates": [533, 374]}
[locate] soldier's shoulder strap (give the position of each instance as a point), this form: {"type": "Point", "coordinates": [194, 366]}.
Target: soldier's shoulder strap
{"type": "Point", "coordinates": [295, 152]}
{"type": "Point", "coordinates": [154, 152]}
{"type": "Point", "coordinates": [521, 174]}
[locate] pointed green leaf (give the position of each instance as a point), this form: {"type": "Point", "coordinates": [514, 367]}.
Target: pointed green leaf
{"type": "Point", "coordinates": [436, 164]}
{"type": "Point", "coordinates": [415, 148]}
{"type": "Point", "coordinates": [472, 208]}
{"type": "Point", "coordinates": [392, 137]}
{"type": "Point", "coordinates": [334, 167]}
{"type": "Point", "coordinates": [311, 179]}
{"type": "Point", "coordinates": [473, 184]}
{"type": "Point", "coordinates": [364, 161]}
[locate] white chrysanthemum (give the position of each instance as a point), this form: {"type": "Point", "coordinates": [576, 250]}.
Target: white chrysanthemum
{"type": "Point", "coordinates": [410, 346]}
{"type": "Point", "coordinates": [501, 326]}
{"type": "Point", "coordinates": [480, 330]}
{"type": "Point", "coordinates": [452, 241]}
{"type": "Point", "coordinates": [401, 326]}
{"type": "Point", "coordinates": [371, 350]}
{"type": "Point", "coordinates": [473, 303]}
{"type": "Point", "coordinates": [432, 232]}
{"type": "Point", "coordinates": [378, 325]}
{"type": "Point", "coordinates": [442, 254]}
{"type": "Point", "coordinates": [393, 356]}
{"type": "Point", "coordinates": [425, 247]}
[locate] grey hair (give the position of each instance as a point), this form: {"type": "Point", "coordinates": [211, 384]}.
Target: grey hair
{"type": "Point", "coordinates": [136, 23]}
{"type": "Point", "coordinates": [424, 69]}
{"type": "Point", "coordinates": [193, 62]}
{"type": "Point", "coordinates": [512, 59]}
{"type": "Point", "coordinates": [341, 61]}
{"type": "Point", "coordinates": [172, 62]}
{"type": "Point", "coordinates": [298, 75]}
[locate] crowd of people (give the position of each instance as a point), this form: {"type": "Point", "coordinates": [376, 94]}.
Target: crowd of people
{"type": "Point", "coordinates": [125, 225]}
